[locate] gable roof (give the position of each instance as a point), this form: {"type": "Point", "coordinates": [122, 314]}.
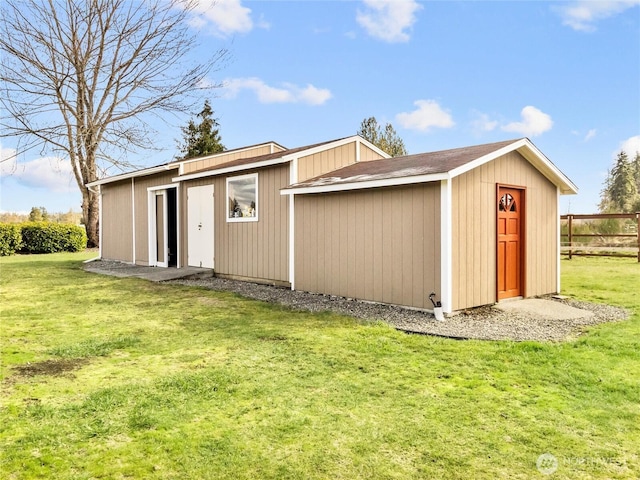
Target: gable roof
{"type": "Point", "coordinates": [270, 159]}
{"type": "Point", "coordinates": [429, 167]}
{"type": "Point", "coordinates": [136, 173]}
{"type": "Point", "coordinates": [227, 152]}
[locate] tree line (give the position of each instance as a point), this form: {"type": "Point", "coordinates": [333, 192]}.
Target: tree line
{"type": "Point", "coordinates": [621, 190]}
{"type": "Point", "coordinates": [40, 214]}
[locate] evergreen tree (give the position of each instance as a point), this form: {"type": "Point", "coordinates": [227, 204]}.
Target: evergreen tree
{"type": "Point", "coordinates": [636, 175]}
{"type": "Point", "coordinates": [386, 140]}
{"type": "Point", "coordinates": [623, 190]}
{"type": "Point", "coordinates": [605, 205]}
{"type": "Point", "coordinates": [202, 138]}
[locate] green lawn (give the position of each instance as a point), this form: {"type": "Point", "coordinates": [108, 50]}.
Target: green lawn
{"type": "Point", "coordinates": [122, 378]}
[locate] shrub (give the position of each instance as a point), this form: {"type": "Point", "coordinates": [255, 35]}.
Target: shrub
{"type": "Point", "coordinates": [10, 238]}
{"type": "Point", "coordinates": [47, 237]}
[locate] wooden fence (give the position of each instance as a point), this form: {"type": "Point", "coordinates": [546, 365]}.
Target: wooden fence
{"type": "Point", "coordinates": [570, 247]}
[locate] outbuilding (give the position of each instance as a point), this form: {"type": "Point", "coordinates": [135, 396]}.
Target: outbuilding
{"type": "Point", "coordinates": [475, 225]}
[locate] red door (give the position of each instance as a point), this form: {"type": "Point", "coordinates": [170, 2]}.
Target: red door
{"type": "Point", "coordinates": [510, 251]}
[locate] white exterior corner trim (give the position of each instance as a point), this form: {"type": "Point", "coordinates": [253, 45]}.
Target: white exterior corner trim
{"type": "Point", "coordinates": [293, 178]}
{"type": "Point", "coordinates": [558, 244]}
{"type": "Point", "coordinates": [133, 221]}
{"type": "Point", "coordinates": [100, 220]}
{"type": "Point", "coordinates": [446, 247]}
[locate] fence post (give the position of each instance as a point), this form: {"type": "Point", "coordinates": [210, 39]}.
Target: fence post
{"type": "Point", "coordinates": [638, 231]}
{"type": "Point", "coordinates": [570, 217]}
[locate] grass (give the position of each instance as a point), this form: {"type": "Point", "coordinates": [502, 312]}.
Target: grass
{"type": "Point", "coordinates": [121, 378]}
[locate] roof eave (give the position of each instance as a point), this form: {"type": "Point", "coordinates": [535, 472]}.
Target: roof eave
{"type": "Point", "coordinates": [135, 174]}
{"type": "Point", "coordinates": [343, 186]}
{"type": "Point", "coordinates": [232, 169]}
{"type": "Point", "coordinates": [533, 155]}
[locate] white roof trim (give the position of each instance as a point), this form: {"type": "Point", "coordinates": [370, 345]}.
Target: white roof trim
{"type": "Point", "coordinates": [366, 142]}
{"type": "Point", "coordinates": [235, 168]}
{"type": "Point", "coordinates": [534, 156]}
{"type": "Point", "coordinates": [137, 173]}
{"type": "Point", "coordinates": [347, 185]}
{"type": "Point", "coordinates": [524, 146]}
{"type": "Point", "coordinates": [286, 157]}
{"type": "Point", "coordinates": [227, 152]}
{"type": "Point", "coordinates": [335, 144]}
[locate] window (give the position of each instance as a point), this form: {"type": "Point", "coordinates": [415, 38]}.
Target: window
{"type": "Point", "coordinates": [242, 198]}
{"type": "Point", "coordinates": [507, 203]}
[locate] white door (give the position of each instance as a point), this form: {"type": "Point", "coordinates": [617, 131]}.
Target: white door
{"type": "Point", "coordinates": [200, 226]}
{"type": "Point", "coordinates": [162, 248]}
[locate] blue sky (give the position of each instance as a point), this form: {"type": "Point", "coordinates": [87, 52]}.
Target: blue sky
{"type": "Point", "coordinates": [446, 74]}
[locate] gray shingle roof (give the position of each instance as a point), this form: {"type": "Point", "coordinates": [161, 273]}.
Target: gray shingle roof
{"type": "Point", "coordinates": [405, 166]}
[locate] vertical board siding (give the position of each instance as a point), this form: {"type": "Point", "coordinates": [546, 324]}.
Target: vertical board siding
{"type": "Point", "coordinates": [257, 250]}
{"type": "Point", "coordinates": [195, 165]}
{"type": "Point", "coordinates": [117, 229]}
{"type": "Point", "coordinates": [142, 211]}
{"type": "Point", "coordinates": [326, 161]}
{"type": "Point", "coordinates": [474, 230]}
{"type": "Point", "coordinates": [380, 244]}
{"type": "Point", "coordinates": [366, 154]}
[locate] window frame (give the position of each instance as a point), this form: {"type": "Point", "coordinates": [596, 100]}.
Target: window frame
{"type": "Point", "coordinates": [257, 207]}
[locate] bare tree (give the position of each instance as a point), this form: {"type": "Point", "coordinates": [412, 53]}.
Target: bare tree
{"type": "Point", "coordinates": [84, 78]}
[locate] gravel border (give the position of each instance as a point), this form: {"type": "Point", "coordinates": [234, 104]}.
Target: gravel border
{"type": "Point", "coordinates": [482, 323]}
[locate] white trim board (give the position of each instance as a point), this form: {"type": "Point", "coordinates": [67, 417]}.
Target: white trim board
{"type": "Point", "coordinates": [137, 173]}
{"type": "Point", "coordinates": [386, 182]}
{"type": "Point", "coordinates": [446, 247]}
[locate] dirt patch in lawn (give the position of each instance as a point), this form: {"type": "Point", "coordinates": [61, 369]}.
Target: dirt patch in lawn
{"type": "Point", "coordinates": [54, 368]}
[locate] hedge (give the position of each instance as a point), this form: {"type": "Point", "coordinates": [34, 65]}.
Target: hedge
{"type": "Point", "coordinates": [10, 238]}
{"type": "Point", "coordinates": [47, 237]}
{"type": "Point", "coordinates": [41, 237]}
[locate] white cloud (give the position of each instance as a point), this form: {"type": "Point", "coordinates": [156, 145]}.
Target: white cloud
{"type": "Point", "coordinates": [313, 95]}
{"type": "Point", "coordinates": [226, 17]}
{"type": "Point", "coordinates": [288, 93]}
{"type": "Point", "coordinates": [534, 122]}
{"type": "Point", "coordinates": [388, 19]}
{"type": "Point", "coordinates": [581, 15]}
{"type": "Point", "coordinates": [7, 161]}
{"type": "Point", "coordinates": [51, 173]}
{"type": "Point", "coordinates": [590, 134]}
{"type": "Point", "coordinates": [630, 146]}
{"type": "Point", "coordinates": [428, 115]}
{"type": "Point", "coordinates": [482, 123]}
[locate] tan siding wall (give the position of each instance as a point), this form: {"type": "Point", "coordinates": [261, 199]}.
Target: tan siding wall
{"type": "Point", "coordinates": [366, 154]}
{"type": "Point", "coordinates": [380, 245]}
{"type": "Point", "coordinates": [142, 212]}
{"type": "Point", "coordinates": [224, 158]}
{"type": "Point", "coordinates": [474, 230]}
{"type": "Point", "coordinates": [117, 228]}
{"type": "Point", "coordinates": [257, 250]}
{"type": "Point", "coordinates": [332, 159]}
